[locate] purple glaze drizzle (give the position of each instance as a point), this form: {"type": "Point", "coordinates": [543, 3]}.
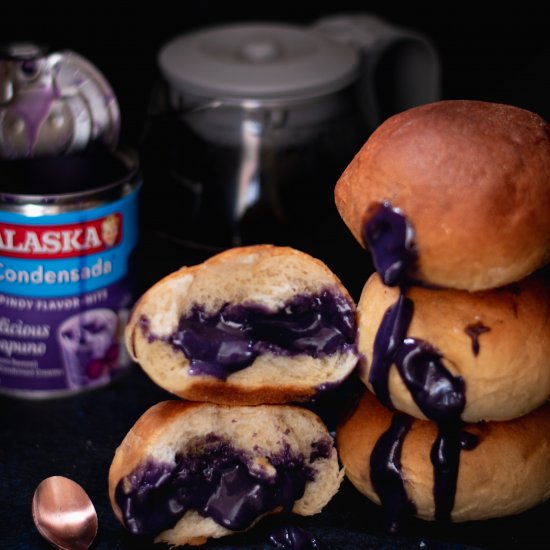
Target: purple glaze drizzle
{"type": "Point", "coordinates": [474, 331]}
{"type": "Point", "coordinates": [437, 393]}
{"type": "Point", "coordinates": [385, 467]}
{"type": "Point", "coordinates": [218, 344]}
{"type": "Point", "coordinates": [390, 335]}
{"type": "Point", "coordinates": [216, 482]}
{"type": "Point", "coordinates": [389, 236]}
{"type": "Point", "coordinates": [445, 457]}
{"type": "Point", "coordinates": [291, 537]}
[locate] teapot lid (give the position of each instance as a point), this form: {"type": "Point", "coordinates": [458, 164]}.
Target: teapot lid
{"type": "Point", "coordinates": [257, 61]}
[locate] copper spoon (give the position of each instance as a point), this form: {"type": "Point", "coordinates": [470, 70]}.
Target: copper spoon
{"type": "Point", "coordinates": [64, 514]}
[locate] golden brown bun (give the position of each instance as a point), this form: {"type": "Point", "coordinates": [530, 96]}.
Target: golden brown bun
{"type": "Point", "coordinates": [172, 427]}
{"type": "Point", "coordinates": [506, 473]}
{"type": "Point", "coordinates": [263, 275]}
{"type": "Point", "coordinates": [473, 179]}
{"type": "Point", "coordinates": [510, 375]}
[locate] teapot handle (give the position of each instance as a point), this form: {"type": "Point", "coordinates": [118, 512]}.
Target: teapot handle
{"type": "Point", "coordinates": [400, 68]}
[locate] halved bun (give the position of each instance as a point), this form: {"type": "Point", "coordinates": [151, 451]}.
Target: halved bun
{"type": "Point", "coordinates": [262, 439]}
{"type": "Point", "coordinates": [263, 284]}
{"type": "Point", "coordinates": [507, 472]}
{"type": "Point", "coordinates": [497, 341]}
{"type": "Point", "coordinates": [473, 180]}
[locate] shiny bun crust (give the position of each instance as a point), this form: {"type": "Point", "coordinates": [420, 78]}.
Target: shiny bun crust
{"type": "Point", "coordinates": [506, 473]}
{"type": "Point", "coordinates": [509, 327]}
{"type": "Point", "coordinates": [171, 428]}
{"type": "Point", "coordinates": [472, 178]}
{"type": "Point", "coordinates": [262, 275]}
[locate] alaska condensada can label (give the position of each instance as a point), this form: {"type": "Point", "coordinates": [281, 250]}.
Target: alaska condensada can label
{"type": "Point", "coordinates": [65, 295]}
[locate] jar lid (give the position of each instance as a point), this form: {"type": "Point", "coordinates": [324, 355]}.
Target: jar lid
{"type": "Point", "coordinates": [257, 61]}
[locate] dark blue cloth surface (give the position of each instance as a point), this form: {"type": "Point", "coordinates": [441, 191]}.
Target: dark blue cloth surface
{"type": "Point", "coordinates": [77, 437]}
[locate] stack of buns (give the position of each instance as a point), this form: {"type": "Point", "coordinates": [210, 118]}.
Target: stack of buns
{"type": "Point", "coordinates": [452, 199]}
{"type": "Point", "coordinates": [237, 338]}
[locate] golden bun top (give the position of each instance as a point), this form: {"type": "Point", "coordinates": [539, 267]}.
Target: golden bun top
{"type": "Point", "coordinates": [473, 180]}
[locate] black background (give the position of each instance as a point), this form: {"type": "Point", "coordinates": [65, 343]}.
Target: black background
{"type": "Point", "coordinates": [498, 54]}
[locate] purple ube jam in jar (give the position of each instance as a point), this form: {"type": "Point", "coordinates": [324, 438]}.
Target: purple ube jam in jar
{"type": "Point", "coordinates": [68, 227]}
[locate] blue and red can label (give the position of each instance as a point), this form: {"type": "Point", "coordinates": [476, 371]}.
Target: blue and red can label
{"type": "Point", "coordinates": [65, 294]}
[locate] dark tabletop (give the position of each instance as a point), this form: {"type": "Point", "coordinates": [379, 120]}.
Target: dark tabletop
{"type": "Point", "coordinates": [77, 436]}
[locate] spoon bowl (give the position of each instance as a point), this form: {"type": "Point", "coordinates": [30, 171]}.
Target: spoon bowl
{"type": "Point", "coordinates": [64, 514]}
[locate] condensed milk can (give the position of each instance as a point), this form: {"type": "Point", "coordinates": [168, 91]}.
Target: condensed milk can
{"type": "Point", "coordinates": [68, 226]}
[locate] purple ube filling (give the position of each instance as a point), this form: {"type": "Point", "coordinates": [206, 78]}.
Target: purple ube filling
{"type": "Point", "coordinates": [389, 236]}
{"type": "Point", "coordinates": [217, 483]}
{"type": "Point", "coordinates": [223, 342]}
